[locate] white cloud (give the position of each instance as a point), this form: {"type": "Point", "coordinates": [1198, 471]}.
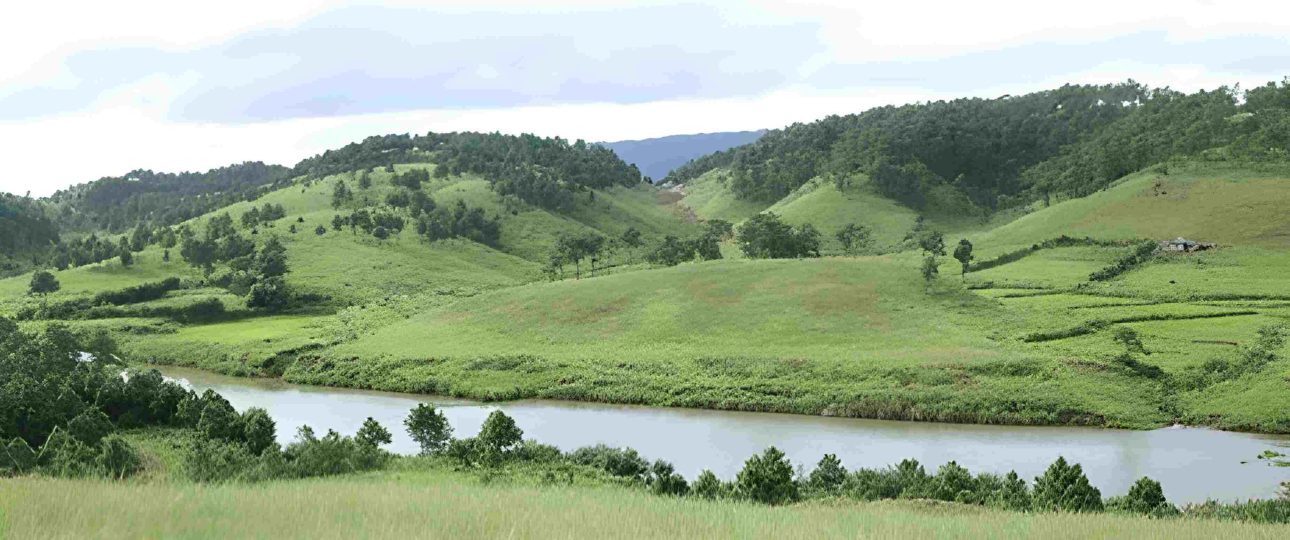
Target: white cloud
{"type": "Point", "coordinates": [131, 124]}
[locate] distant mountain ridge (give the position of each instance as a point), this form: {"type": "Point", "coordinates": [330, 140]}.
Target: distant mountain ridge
{"type": "Point", "coordinates": [657, 157]}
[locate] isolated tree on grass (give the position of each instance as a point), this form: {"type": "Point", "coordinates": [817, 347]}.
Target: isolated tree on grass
{"type": "Point", "coordinates": [320, 230]}
{"type": "Point", "coordinates": [767, 478]}
{"type": "Point", "coordinates": [854, 238]}
{"type": "Point", "coordinates": [43, 283]}
{"type": "Point", "coordinates": [930, 269]}
{"type": "Point", "coordinates": [963, 253]}
{"type": "Point", "coordinates": [429, 428]}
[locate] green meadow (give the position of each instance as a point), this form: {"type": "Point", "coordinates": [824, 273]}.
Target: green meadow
{"type": "Point", "coordinates": [1030, 341]}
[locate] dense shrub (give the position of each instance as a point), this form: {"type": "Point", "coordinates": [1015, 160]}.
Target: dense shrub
{"type": "Point", "coordinates": [1141, 253]}
{"type": "Point", "coordinates": [1144, 497]}
{"type": "Point", "coordinates": [767, 478]}
{"type": "Point", "coordinates": [620, 462]}
{"type": "Point", "coordinates": [1064, 487]}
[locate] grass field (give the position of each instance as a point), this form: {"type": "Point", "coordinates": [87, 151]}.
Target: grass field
{"type": "Point", "coordinates": [445, 504]}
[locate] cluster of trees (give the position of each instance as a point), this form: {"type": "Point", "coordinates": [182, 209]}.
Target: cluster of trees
{"type": "Point", "coordinates": [378, 223]}
{"type": "Point", "coordinates": [268, 290]}
{"type": "Point", "coordinates": [541, 171]}
{"type": "Point", "coordinates": [765, 236]}
{"type": "Point", "coordinates": [770, 478]}
{"type": "Point", "coordinates": [220, 242]}
{"type": "Point", "coordinates": [706, 246]}
{"type": "Point", "coordinates": [977, 148]}
{"type": "Point", "coordinates": [29, 233]}
{"type": "Point", "coordinates": [460, 221]}
{"type": "Point", "coordinates": [1220, 124]}
{"type": "Point", "coordinates": [1010, 150]}
{"type": "Point", "coordinates": [59, 414]}
{"type": "Point", "coordinates": [572, 249]}
{"type": "Point", "coordinates": [268, 213]}
{"type": "Point", "coordinates": [114, 204]}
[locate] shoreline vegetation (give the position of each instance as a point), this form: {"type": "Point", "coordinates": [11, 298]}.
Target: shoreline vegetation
{"type": "Point", "coordinates": [84, 420]}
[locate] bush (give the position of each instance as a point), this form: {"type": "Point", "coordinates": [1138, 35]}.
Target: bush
{"type": "Point", "coordinates": [708, 486]}
{"type": "Point", "coordinates": [620, 462]}
{"type": "Point", "coordinates": [767, 478]}
{"type": "Point", "coordinates": [828, 476]}
{"type": "Point", "coordinates": [116, 458]}
{"type": "Point", "coordinates": [258, 430]}
{"type": "Point", "coordinates": [665, 481]}
{"type": "Point", "coordinates": [499, 434]}
{"type": "Point", "coordinates": [1145, 497]}
{"type": "Point", "coordinates": [1064, 487]}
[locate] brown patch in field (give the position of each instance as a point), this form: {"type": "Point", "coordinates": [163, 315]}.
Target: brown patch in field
{"type": "Point", "coordinates": [567, 312]}
{"type": "Point", "coordinates": [711, 292]}
{"type": "Point", "coordinates": [667, 197]}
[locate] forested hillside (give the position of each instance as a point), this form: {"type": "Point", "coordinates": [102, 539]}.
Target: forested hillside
{"type": "Point", "coordinates": [1009, 150]}
{"type": "Point", "coordinates": [28, 232]}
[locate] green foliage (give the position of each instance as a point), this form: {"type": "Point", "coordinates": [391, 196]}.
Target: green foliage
{"type": "Point", "coordinates": [963, 254]}
{"type": "Point", "coordinates": [828, 476]}
{"type": "Point", "coordinates": [707, 486]}
{"type": "Point", "coordinates": [90, 426]}
{"type": "Point", "coordinates": [767, 478]}
{"type": "Point", "coordinates": [117, 459]}
{"type": "Point", "coordinates": [854, 238]}
{"type": "Point", "coordinates": [429, 428]}
{"type": "Point", "coordinates": [619, 462]}
{"type": "Point", "coordinates": [930, 268]}
{"type": "Point", "coordinates": [1063, 487]}
{"type": "Point", "coordinates": [1140, 254]}
{"type": "Point", "coordinates": [258, 430]}
{"type": "Point", "coordinates": [499, 433]}
{"type": "Point", "coordinates": [372, 434]}
{"type": "Point", "coordinates": [765, 236]}
{"type": "Point", "coordinates": [1144, 497]}
{"type": "Point", "coordinates": [665, 481]}
{"type": "Point", "coordinates": [43, 283]}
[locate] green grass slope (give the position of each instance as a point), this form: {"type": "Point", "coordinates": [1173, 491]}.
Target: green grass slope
{"type": "Point", "coordinates": [858, 337]}
{"type": "Point", "coordinates": [1210, 203]}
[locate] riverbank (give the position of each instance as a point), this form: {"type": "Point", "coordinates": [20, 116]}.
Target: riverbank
{"type": "Point", "coordinates": [447, 504]}
{"type": "Point", "coordinates": [1193, 464]}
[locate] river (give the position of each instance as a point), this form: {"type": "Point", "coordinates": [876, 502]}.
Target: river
{"type": "Point", "coordinates": [1193, 464]}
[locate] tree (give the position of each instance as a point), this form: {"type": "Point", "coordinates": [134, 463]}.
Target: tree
{"type": "Point", "coordinates": [932, 242]}
{"type": "Point", "coordinates": [429, 428]}
{"type": "Point", "coordinates": [271, 261]}
{"type": "Point", "coordinates": [499, 433]}
{"type": "Point", "coordinates": [292, 228]}
{"type": "Point", "coordinates": [364, 180]}
{"type": "Point", "coordinates": [631, 238]}
{"type": "Point", "coordinates": [165, 256]}
{"type": "Point", "coordinates": [765, 236]}
{"type": "Point", "coordinates": [258, 430]}
{"type": "Point", "coordinates": [43, 283]}
{"type": "Point", "coordinates": [340, 194]}
{"type": "Point", "coordinates": [854, 238]}
{"type": "Point", "coordinates": [671, 252]}
{"type": "Point", "coordinates": [270, 294]}
{"type": "Point", "coordinates": [1145, 497]}
{"type": "Point", "coordinates": [123, 251]}
{"type": "Point", "coordinates": [372, 434]}
{"type": "Point", "coordinates": [828, 475]}
{"type": "Point", "coordinates": [930, 268]}
{"type": "Point", "coordinates": [767, 478]}
{"type": "Point", "coordinates": [380, 233]}
{"type": "Point", "coordinates": [337, 223]}
{"type": "Point", "coordinates": [963, 253]}
{"type": "Point", "coordinates": [218, 418]}
{"type": "Point", "coordinates": [707, 485]}
{"type": "Point", "coordinates": [1064, 487]}
{"type": "Point", "coordinates": [320, 230]}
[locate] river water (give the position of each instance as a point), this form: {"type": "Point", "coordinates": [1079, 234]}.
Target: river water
{"type": "Point", "coordinates": [1193, 464]}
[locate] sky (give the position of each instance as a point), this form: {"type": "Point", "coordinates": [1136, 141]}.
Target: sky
{"type": "Point", "coordinates": [93, 89]}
